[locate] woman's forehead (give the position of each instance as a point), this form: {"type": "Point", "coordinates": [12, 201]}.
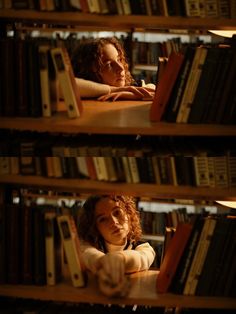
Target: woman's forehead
{"type": "Point", "coordinates": [109, 51]}
{"type": "Point", "coordinates": [105, 205]}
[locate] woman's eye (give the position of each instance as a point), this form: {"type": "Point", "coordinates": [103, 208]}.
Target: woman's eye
{"type": "Point", "coordinates": [118, 213]}
{"type": "Point", "coordinates": [101, 220]}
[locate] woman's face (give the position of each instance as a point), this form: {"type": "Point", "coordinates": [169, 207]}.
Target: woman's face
{"type": "Point", "coordinates": [112, 71]}
{"type": "Point", "coordinates": [111, 221]}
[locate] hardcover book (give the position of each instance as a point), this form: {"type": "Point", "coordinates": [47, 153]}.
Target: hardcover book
{"type": "Point", "coordinates": [67, 81]}
{"type": "Point", "coordinates": [70, 240]}
{"type": "Point", "coordinates": [172, 257]}
{"type": "Point", "coordinates": [165, 86]}
{"type": "Point", "coordinates": [199, 256]}
{"type": "Point", "coordinates": [53, 249]}
{"type": "Point", "coordinates": [191, 85]}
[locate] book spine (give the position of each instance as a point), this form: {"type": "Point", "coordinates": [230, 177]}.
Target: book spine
{"type": "Point", "coordinates": [44, 81]}
{"type": "Point", "coordinates": [68, 236]}
{"type": "Point", "coordinates": [53, 252]}
{"type": "Point", "coordinates": [65, 83]}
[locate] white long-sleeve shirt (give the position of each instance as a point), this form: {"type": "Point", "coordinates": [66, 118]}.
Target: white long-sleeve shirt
{"type": "Point", "coordinates": [90, 89]}
{"type": "Point", "coordinates": [136, 259]}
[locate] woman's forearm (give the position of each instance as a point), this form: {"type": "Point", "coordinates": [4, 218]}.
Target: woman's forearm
{"type": "Point", "coordinates": [90, 89]}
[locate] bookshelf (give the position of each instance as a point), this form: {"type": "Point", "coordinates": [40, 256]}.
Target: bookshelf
{"type": "Point", "coordinates": [118, 21]}
{"type": "Point", "coordinates": [124, 118]}
{"type": "Point", "coordinates": [143, 292]}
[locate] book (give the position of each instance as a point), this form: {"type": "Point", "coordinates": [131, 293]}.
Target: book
{"type": "Point", "coordinates": [204, 86]}
{"type": "Point", "coordinates": [192, 8]}
{"type": "Point", "coordinates": [70, 240]}
{"type": "Point", "coordinates": [172, 257]}
{"type": "Point", "coordinates": [26, 246]}
{"type": "Point", "coordinates": [13, 255]}
{"type": "Point", "coordinates": [48, 82]}
{"type": "Point", "coordinates": [179, 86]}
{"type": "Point", "coordinates": [165, 86]}
{"type": "Point", "coordinates": [211, 8]}
{"type": "Point", "coordinates": [191, 85]}
{"type": "Point", "coordinates": [33, 78]}
{"type": "Point", "coordinates": [21, 75]}
{"type": "Point", "coordinates": [39, 246]}
{"type": "Point", "coordinates": [181, 274]}
{"type": "Point", "coordinates": [3, 244]}
{"type": "Point", "coordinates": [8, 100]}
{"type": "Point", "coordinates": [214, 261]}
{"type": "Point", "coordinates": [219, 85]}
{"type": "Point", "coordinates": [201, 170]}
{"type": "Point", "coordinates": [226, 283]}
{"type": "Point", "coordinates": [126, 7]}
{"type": "Point", "coordinates": [67, 81]}
{"type": "Point", "coordinates": [53, 249]}
{"type": "Point", "coordinates": [199, 256]}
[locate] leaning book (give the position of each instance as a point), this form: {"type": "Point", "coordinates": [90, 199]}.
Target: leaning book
{"type": "Point", "coordinates": [71, 244]}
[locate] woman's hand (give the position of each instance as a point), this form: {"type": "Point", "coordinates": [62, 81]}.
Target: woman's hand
{"type": "Point", "coordinates": [130, 93]}
{"type": "Point", "coordinates": [111, 275]}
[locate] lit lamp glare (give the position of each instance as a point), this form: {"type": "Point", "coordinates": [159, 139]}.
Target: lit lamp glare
{"type": "Point", "coordinates": [230, 204]}
{"type": "Point", "coordinates": [223, 33]}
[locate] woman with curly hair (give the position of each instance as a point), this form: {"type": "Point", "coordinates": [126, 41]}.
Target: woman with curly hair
{"type": "Point", "coordinates": [101, 70]}
{"type": "Point", "coordinates": [110, 233]}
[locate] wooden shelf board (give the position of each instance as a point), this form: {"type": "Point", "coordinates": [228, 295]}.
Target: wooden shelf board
{"type": "Point", "coordinates": [124, 21]}
{"type": "Point", "coordinates": [143, 292]}
{"type": "Point", "coordinates": [120, 117]}
{"type": "Point", "coordinates": [142, 189]}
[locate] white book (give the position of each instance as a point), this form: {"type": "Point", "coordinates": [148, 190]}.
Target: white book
{"type": "Point", "coordinates": [201, 170]}
{"type": "Point", "coordinates": [192, 8]}
{"type": "Point", "coordinates": [67, 82]}
{"type": "Point", "coordinates": [101, 169]}
{"type": "Point", "coordinates": [70, 240]}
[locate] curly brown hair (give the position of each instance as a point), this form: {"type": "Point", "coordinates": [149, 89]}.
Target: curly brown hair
{"type": "Point", "coordinates": [87, 55]}
{"type": "Point", "coordinates": [87, 223]}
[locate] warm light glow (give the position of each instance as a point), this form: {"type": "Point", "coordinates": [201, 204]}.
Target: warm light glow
{"type": "Point", "coordinates": [227, 203]}
{"type": "Point", "coordinates": [223, 33]}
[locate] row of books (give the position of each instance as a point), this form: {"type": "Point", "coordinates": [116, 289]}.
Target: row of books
{"type": "Point", "coordinates": [197, 86]}
{"type": "Point", "coordinates": [149, 52]}
{"type": "Point", "coordinates": [198, 171]}
{"type": "Point", "coordinates": [203, 8]}
{"type": "Point", "coordinates": [157, 222]}
{"type": "Point", "coordinates": [32, 70]}
{"type": "Point", "coordinates": [200, 258]}
{"type": "Point", "coordinates": [34, 240]}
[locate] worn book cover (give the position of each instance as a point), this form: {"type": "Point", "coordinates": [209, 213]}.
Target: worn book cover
{"type": "Point", "coordinates": [172, 257]}
{"type": "Point", "coordinates": [165, 86]}
{"type": "Point", "coordinates": [70, 240]}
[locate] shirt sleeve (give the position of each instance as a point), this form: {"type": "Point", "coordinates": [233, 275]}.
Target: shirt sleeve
{"type": "Point", "coordinates": [141, 258]}
{"type": "Point", "coordinates": [90, 89]}
{"type": "Point", "coordinates": [90, 255]}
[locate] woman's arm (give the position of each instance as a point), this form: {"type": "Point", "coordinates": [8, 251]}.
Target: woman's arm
{"type": "Point", "coordinates": [90, 89]}
{"type": "Point", "coordinates": [141, 258]}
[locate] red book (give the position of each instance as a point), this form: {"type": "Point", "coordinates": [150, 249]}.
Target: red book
{"type": "Point", "coordinates": [172, 256]}
{"type": "Point", "coordinates": [165, 86]}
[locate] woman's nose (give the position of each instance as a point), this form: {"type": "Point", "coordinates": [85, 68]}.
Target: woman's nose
{"type": "Point", "coordinates": [114, 220]}
{"type": "Point", "coordinates": [119, 67]}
